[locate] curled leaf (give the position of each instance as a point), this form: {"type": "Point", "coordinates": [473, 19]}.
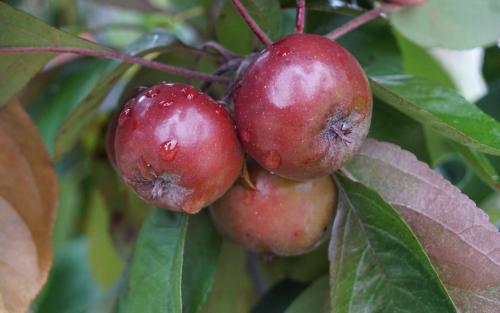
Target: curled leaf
{"type": "Point", "coordinates": [18, 269]}
{"type": "Point", "coordinates": [458, 237]}
{"type": "Point", "coordinates": [28, 198]}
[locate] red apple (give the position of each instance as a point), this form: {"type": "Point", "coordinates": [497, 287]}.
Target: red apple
{"type": "Point", "coordinates": [303, 107]}
{"type": "Point", "coordinates": [279, 216]}
{"type": "Point", "coordinates": [176, 147]}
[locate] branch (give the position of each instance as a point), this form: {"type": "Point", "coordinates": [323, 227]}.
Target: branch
{"type": "Point", "coordinates": [300, 17]}
{"type": "Point", "coordinates": [251, 23]}
{"type": "Point", "coordinates": [111, 54]}
{"type": "Point", "coordinates": [223, 51]}
{"type": "Point", "coordinates": [359, 21]}
{"type": "Point", "coordinates": [229, 65]}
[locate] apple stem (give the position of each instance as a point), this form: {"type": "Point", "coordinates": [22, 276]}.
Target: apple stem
{"type": "Point", "coordinates": [359, 21]}
{"type": "Point", "coordinates": [231, 64]}
{"type": "Point", "coordinates": [112, 54]}
{"type": "Point", "coordinates": [300, 16]}
{"type": "Point", "coordinates": [223, 51]}
{"type": "Point", "coordinates": [251, 23]}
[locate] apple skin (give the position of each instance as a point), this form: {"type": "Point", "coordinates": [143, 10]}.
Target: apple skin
{"type": "Point", "coordinates": [303, 107]}
{"type": "Point", "coordinates": [281, 216]}
{"type": "Point", "coordinates": [176, 147]}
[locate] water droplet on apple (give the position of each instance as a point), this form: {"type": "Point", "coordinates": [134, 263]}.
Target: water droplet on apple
{"type": "Point", "coordinates": [151, 93]}
{"type": "Point", "coordinates": [124, 115]}
{"type": "Point", "coordinates": [283, 52]}
{"type": "Point", "coordinates": [168, 150]}
{"type": "Point", "coordinates": [165, 103]}
{"type": "Point", "coordinates": [219, 108]}
{"type": "Point", "coordinates": [187, 91]}
{"type": "Point", "coordinates": [272, 160]}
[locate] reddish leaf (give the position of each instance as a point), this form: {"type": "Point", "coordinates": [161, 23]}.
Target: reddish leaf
{"type": "Point", "coordinates": [458, 237]}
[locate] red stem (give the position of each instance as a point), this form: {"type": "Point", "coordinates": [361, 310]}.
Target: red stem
{"type": "Point", "coordinates": [251, 23]}
{"type": "Point", "coordinates": [223, 51]}
{"type": "Point", "coordinates": [233, 63]}
{"type": "Point", "coordinates": [359, 21]}
{"type": "Point", "coordinates": [111, 54]}
{"type": "Point", "coordinates": [300, 17]}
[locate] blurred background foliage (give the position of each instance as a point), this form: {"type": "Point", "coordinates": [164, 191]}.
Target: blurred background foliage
{"type": "Point", "coordinates": [99, 219]}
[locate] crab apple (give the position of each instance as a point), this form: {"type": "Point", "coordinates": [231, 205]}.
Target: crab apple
{"type": "Point", "coordinates": [279, 216]}
{"type": "Point", "coordinates": [303, 107]}
{"type": "Point", "coordinates": [176, 147]}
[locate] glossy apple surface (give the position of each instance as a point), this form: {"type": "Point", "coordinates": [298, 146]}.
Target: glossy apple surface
{"type": "Point", "coordinates": [303, 107]}
{"type": "Point", "coordinates": [280, 216]}
{"type": "Point", "coordinates": [176, 147]}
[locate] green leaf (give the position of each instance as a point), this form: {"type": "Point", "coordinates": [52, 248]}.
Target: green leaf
{"type": "Point", "coordinates": [127, 211]}
{"type": "Point", "coordinates": [232, 291]}
{"type": "Point", "coordinates": [383, 55]}
{"type": "Point", "coordinates": [200, 261]}
{"type": "Point", "coordinates": [313, 299]}
{"type": "Point", "coordinates": [68, 211]}
{"type": "Point", "coordinates": [376, 263]}
{"type": "Point", "coordinates": [62, 94]}
{"type": "Point", "coordinates": [110, 71]}
{"type": "Point", "coordinates": [491, 205]}
{"type": "Point", "coordinates": [155, 280]}
{"type": "Point", "coordinates": [70, 288]}
{"type": "Point", "coordinates": [391, 125]}
{"type": "Point", "coordinates": [173, 265]}
{"type": "Point", "coordinates": [446, 222]}
{"type": "Point", "coordinates": [454, 24]}
{"type": "Point", "coordinates": [267, 14]}
{"type": "Point", "coordinates": [105, 264]}
{"type": "Point", "coordinates": [19, 29]}
{"type": "Point", "coordinates": [427, 103]}
{"type": "Point", "coordinates": [439, 107]}
{"type": "Point", "coordinates": [423, 100]}
{"type": "Point", "coordinates": [417, 61]}
{"type": "Point", "coordinates": [480, 165]}
{"type": "Point", "coordinates": [234, 33]}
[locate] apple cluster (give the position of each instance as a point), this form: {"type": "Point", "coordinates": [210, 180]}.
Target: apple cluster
{"type": "Point", "coordinates": [301, 110]}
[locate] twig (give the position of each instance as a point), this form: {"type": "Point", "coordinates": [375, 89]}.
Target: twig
{"type": "Point", "coordinates": [233, 63]}
{"type": "Point", "coordinates": [223, 51]}
{"type": "Point", "coordinates": [300, 17]}
{"type": "Point", "coordinates": [251, 23]}
{"type": "Point", "coordinates": [359, 21]}
{"type": "Point", "coordinates": [112, 54]}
